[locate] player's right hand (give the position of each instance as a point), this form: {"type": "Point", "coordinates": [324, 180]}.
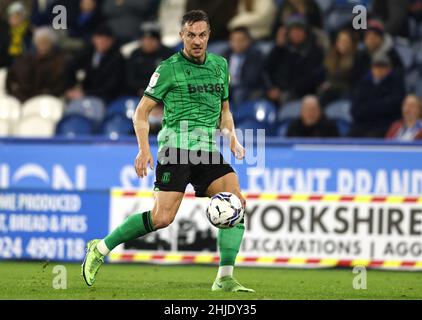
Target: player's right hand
{"type": "Point", "coordinates": [141, 162]}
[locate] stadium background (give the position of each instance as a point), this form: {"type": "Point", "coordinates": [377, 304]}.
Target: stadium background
{"type": "Point", "coordinates": [324, 197]}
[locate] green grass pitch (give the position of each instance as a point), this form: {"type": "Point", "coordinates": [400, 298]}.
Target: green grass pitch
{"type": "Point", "coordinates": [33, 280]}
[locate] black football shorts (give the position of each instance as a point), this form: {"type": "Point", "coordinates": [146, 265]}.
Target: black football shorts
{"type": "Point", "coordinates": [176, 168]}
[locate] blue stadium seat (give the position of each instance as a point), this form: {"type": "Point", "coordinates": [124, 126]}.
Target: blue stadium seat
{"type": "Point", "coordinates": [261, 111]}
{"type": "Point", "coordinates": [250, 124]}
{"type": "Point", "coordinates": [406, 54]}
{"type": "Point", "coordinates": [418, 88]}
{"type": "Point", "coordinates": [265, 46]}
{"type": "Point", "coordinates": [350, 3]}
{"type": "Point", "coordinates": [412, 77]}
{"type": "Point", "coordinates": [283, 127]}
{"type": "Point", "coordinates": [290, 110]}
{"type": "Point", "coordinates": [343, 127]}
{"type": "Point", "coordinates": [90, 107]}
{"type": "Point", "coordinates": [339, 110]}
{"type": "Point", "coordinates": [116, 126]}
{"type": "Point", "coordinates": [75, 125]}
{"type": "Point", "coordinates": [218, 47]}
{"type": "Point", "coordinates": [338, 18]}
{"type": "Point", "coordinates": [123, 105]}
{"type": "Point", "coordinates": [325, 6]}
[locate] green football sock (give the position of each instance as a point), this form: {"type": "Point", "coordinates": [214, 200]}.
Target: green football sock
{"type": "Point", "coordinates": [133, 227]}
{"type": "Point", "coordinates": [228, 242]}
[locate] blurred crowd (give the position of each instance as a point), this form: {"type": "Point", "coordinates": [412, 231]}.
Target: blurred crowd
{"type": "Point", "coordinates": [322, 77]}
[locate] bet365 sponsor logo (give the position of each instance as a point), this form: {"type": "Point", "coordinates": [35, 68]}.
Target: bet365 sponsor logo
{"type": "Point", "coordinates": [205, 88]}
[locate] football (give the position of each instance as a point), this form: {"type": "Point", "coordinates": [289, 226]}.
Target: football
{"type": "Point", "coordinates": [225, 210]}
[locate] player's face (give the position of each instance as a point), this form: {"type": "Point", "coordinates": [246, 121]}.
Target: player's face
{"type": "Point", "coordinates": [195, 39]}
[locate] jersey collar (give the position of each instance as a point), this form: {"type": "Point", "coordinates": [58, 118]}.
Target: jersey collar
{"type": "Point", "coordinates": [192, 61]}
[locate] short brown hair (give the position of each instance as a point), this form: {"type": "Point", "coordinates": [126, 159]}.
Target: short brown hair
{"type": "Point", "coordinates": [195, 16]}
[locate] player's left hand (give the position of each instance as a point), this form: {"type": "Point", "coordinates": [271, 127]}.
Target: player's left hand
{"type": "Point", "coordinates": [236, 148]}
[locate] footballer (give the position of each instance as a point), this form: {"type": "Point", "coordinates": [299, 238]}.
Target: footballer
{"type": "Point", "coordinates": [193, 86]}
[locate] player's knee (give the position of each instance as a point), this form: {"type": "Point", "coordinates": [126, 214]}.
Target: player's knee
{"type": "Point", "coordinates": [162, 221]}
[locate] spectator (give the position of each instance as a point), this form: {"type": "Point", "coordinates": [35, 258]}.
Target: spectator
{"type": "Point", "coordinates": [144, 60]}
{"type": "Point", "coordinates": [377, 99]}
{"type": "Point", "coordinates": [15, 35]}
{"type": "Point", "coordinates": [41, 72]}
{"type": "Point", "coordinates": [4, 4]}
{"type": "Point", "coordinates": [312, 122]}
{"type": "Point", "coordinates": [220, 12]}
{"type": "Point", "coordinates": [307, 8]}
{"type": "Point", "coordinates": [257, 16]}
{"type": "Point", "coordinates": [85, 20]}
{"type": "Point", "coordinates": [103, 66]}
{"type": "Point", "coordinates": [125, 16]}
{"type": "Point", "coordinates": [394, 15]}
{"type": "Point", "coordinates": [410, 127]}
{"type": "Point", "coordinates": [245, 66]}
{"type": "Point", "coordinates": [294, 67]}
{"type": "Point", "coordinates": [338, 67]}
{"type": "Point", "coordinates": [377, 42]}
{"type": "Point", "coordinates": [415, 10]}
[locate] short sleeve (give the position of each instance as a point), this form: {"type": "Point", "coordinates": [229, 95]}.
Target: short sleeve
{"type": "Point", "coordinates": [226, 81]}
{"type": "Point", "coordinates": [160, 83]}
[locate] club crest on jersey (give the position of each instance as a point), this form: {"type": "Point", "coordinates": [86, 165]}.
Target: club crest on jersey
{"type": "Point", "coordinates": [153, 80]}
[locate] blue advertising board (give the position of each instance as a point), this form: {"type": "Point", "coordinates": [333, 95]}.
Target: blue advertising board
{"type": "Point", "coordinates": [294, 166]}
{"type": "Point", "coordinates": [51, 225]}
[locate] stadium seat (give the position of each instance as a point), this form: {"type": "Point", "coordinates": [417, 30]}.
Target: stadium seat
{"type": "Point", "coordinates": [290, 110]}
{"type": "Point", "coordinates": [45, 106]}
{"type": "Point", "coordinates": [116, 126]}
{"type": "Point", "coordinates": [4, 128]}
{"type": "Point", "coordinates": [339, 110]}
{"type": "Point", "coordinates": [412, 79]}
{"type": "Point", "coordinates": [325, 6]}
{"type": "Point", "coordinates": [406, 54]}
{"type": "Point", "coordinates": [283, 127]}
{"type": "Point", "coordinates": [218, 47]}
{"type": "Point", "coordinates": [343, 127]}
{"type": "Point", "coordinates": [90, 107]}
{"type": "Point", "coordinates": [265, 46]}
{"type": "Point", "coordinates": [3, 74]}
{"type": "Point", "coordinates": [10, 108]}
{"type": "Point", "coordinates": [261, 111]}
{"type": "Point", "coordinates": [249, 124]}
{"type": "Point", "coordinates": [74, 125]}
{"type": "Point", "coordinates": [123, 105]}
{"type": "Point", "coordinates": [127, 49]}
{"type": "Point", "coordinates": [35, 127]}
{"type": "Point", "coordinates": [418, 88]}
{"type": "Point", "coordinates": [338, 18]}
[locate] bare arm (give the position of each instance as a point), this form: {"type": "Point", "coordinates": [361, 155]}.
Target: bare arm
{"type": "Point", "coordinates": [141, 125]}
{"type": "Point", "coordinates": [228, 130]}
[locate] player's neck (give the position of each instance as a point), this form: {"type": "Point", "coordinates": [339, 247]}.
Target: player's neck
{"type": "Point", "coordinates": [199, 60]}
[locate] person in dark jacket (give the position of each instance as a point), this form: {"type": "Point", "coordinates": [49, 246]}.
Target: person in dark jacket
{"type": "Point", "coordinates": [394, 15]}
{"type": "Point", "coordinates": [39, 72]}
{"type": "Point", "coordinates": [294, 67]}
{"type": "Point", "coordinates": [377, 42]}
{"type": "Point", "coordinates": [103, 66]}
{"type": "Point", "coordinates": [312, 122]}
{"type": "Point", "coordinates": [376, 102]}
{"type": "Point", "coordinates": [245, 66]}
{"type": "Point", "coordinates": [144, 60]}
